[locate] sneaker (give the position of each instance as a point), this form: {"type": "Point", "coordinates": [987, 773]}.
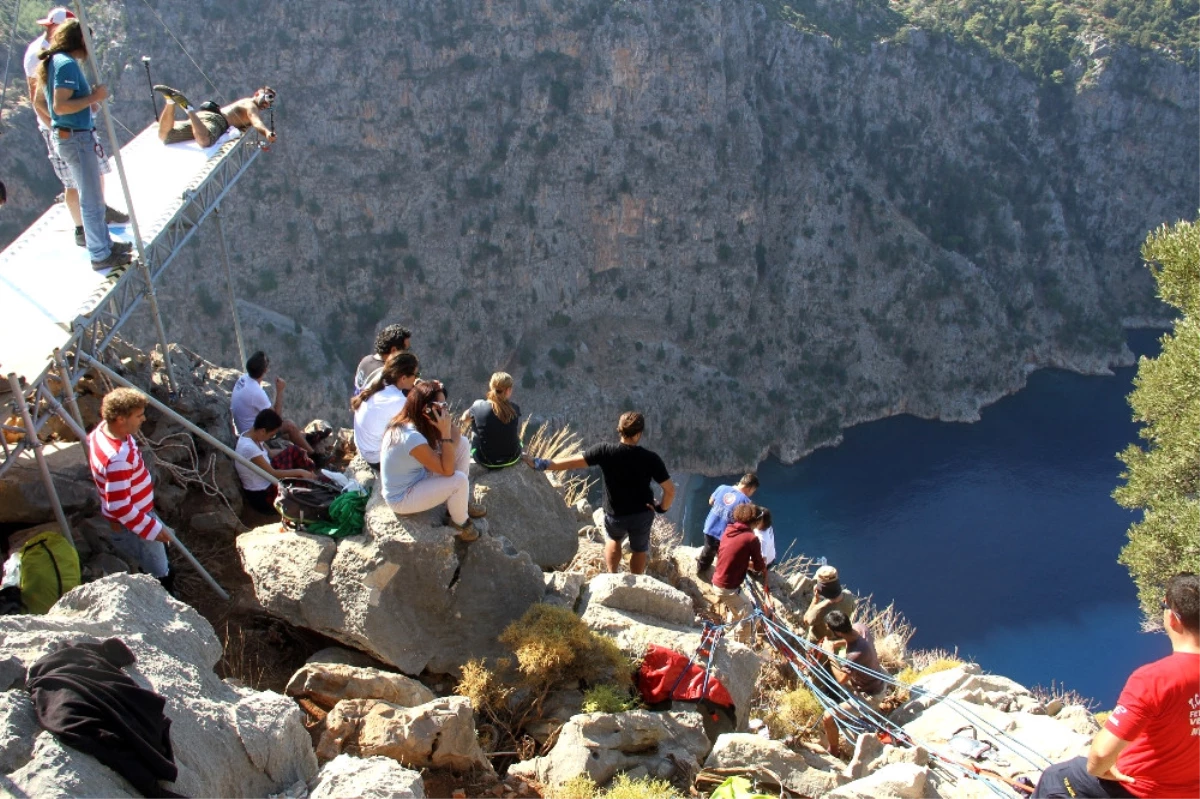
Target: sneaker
{"type": "Point", "coordinates": [476, 511]}
{"type": "Point", "coordinates": [114, 217]}
{"type": "Point", "coordinates": [115, 258]}
{"type": "Point", "coordinates": [122, 247]}
{"type": "Point", "coordinates": [173, 95]}
{"type": "Point", "coordinates": [80, 239]}
{"type": "Point", "coordinates": [465, 532]}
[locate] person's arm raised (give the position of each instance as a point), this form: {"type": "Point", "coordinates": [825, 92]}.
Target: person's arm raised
{"type": "Point", "coordinates": [440, 462]}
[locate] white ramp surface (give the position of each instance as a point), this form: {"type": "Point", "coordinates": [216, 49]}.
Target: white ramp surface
{"type": "Point", "coordinates": [46, 280]}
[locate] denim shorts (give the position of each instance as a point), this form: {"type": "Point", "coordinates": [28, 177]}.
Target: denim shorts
{"type": "Point", "coordinates": [635, 525]}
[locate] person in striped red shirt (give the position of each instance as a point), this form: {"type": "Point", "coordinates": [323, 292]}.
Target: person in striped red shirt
{"type": "Point", "coordinates": [126, 490]}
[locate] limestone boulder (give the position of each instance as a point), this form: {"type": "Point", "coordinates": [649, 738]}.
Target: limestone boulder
{"type": "Point", "coordinates": [405, 590]}
{"type": "Point", "coordinates": [526, 509]}
{"type": "Point", "coordinates": [871, 754]}
{"type": "Point", "coordinates": [1079, 719]}
{"type": "Point", "coordinates": [18, 728]}
{"type": "Point", "coordinates": [897, 781]}
{"type": "Point", "coordinates": [563, 588]}
{"type": "Point", "coordinates": [735, 665]}
{"type": "Point", "coordinates": [807, 773]}
{"type": "Point", "coordinates": [257, 738]}
{"type": "Point", "coordinates": [329, 683]}
{"type": "Point", "coordinates": [23, 497]}
{"type": "Point", "coordinates": [340, 654]}
{"type": "Point", "coordinates": [667, 746]}
{"type": "Point", "coordinates": [437, 734]}
{"type": "Point", "coordinates": [366, 778]}
{"type": "Point", "coordinates": [639, 594]}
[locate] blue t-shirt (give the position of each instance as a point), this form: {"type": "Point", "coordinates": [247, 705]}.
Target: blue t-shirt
{"type": "Point", "coordinates": [720, 515]}
{"type": "Point", "coordinates": [66, 74]}
{"type": "Point", "coordinates": [398, 469]}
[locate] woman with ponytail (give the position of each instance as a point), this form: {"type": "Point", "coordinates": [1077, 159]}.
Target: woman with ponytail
{"type": "Point", "coordinates": [380, 401]}
{"type": "Point", "coordinates": [494, 425]}
{"type": "Point", "coordinates": [68, 99]}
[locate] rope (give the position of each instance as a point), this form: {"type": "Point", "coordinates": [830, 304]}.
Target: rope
{"type": "Point", "coordinates": [184, 49]}
{"type": "Point", "coordinates": [12, 38]}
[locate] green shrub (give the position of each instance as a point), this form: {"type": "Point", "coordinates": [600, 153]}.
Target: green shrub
{"type": "Point", "coordinates": [608, 698]}
{"type": "Point", "coordinates": [794, 711]}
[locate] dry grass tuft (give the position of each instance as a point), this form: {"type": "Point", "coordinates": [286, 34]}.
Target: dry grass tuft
{"type": "Point", "coordinates": [1060, 693]}
{"type": "Point", "coordinates": [553, 645]}
{"type": "Point", "coordinates": [924, 662]}
{"type": "Point", "coordinates": [625, 787]}
{"type": "Point", "coordinates": [794, 713]}
{"type": "Point", "coordinates": [580, 786]}
{"type": "Point", "coordinates": [789, 565]}
{"type": "Point", "coordinates": [551, 442]}
{"type": "Point", "coordinates": [483, 686]}
{"type": "Point", "coordinates": [890, 631]}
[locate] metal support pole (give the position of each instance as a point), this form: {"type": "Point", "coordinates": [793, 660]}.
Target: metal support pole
{"type": "Point", "coordinates": [64, 374]}
{"type": "Point", "coordinates": [237, 325]}
{"type": "Point", "coordinates": [116, 378]}
{"type": "Point", "coordinates": [61, 412]}
{"type": "Point", "coordinates": [31, 433]}
{"type": "Point", "coordinates": [137, 233]}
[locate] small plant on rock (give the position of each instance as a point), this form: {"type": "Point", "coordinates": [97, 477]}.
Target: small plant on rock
{"type": "Point", "coordinates": [608, 698]}
{"type": "Point", "coordinates": [625, 787]}
{"type": "Point", "coordinates": [924, 663]}
{"type": "Point", "coordinates": [794, 713]}
{"type": "Point", "coordinates": [580, 786]}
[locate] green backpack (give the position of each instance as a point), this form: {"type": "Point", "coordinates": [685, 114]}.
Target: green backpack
{"type": "Point", "coordinates": [49, 569]}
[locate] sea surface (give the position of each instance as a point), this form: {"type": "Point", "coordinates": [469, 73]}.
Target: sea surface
{"type": "Point", "coordinates": [998, 538]}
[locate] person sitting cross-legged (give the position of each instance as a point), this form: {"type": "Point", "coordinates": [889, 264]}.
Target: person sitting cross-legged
{"type": "Point", "coordinates": [853, 643]}
{"type": "Point", "coordinates": [379, 403]}
{"type": "Point", "coordinates": [424, 463]}
{"type": "Point", "coordinates": [495, 425]}
{"type": "Point", "coordinates": [258, 491]}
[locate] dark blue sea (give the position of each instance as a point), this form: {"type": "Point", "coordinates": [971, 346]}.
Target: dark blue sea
{"type": "Point", "coordinates": [997, 538]}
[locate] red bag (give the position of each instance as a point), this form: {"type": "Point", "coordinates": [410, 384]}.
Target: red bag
{"type": "Point", "coordinates": [662, 668]}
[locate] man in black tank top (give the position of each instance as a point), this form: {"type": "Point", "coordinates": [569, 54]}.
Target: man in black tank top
{"type": "Point", "coordinates": [629, 505]}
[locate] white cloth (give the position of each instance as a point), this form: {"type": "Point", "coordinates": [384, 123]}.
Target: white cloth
{"type": "Point", "coordinates": [371, 420]}
{"type": "Point", "coordinates": [766, 539]}
{"type": "Point", "coordinates": [248, 398]}
{"type": "Point", "coordinates": [250, 449]}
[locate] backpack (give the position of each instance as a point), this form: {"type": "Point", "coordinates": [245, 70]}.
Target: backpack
{"type": "Point", "coordinates": [45, 568]}
{"type": "Point", "coordinates": [301, 501]}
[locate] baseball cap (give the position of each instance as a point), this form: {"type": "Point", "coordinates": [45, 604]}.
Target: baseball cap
{"type": "Point", "coordinates": [57, 16]}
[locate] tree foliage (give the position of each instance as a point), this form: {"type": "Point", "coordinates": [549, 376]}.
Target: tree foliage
{"type": "Point", "coordinates": [1163, 479]}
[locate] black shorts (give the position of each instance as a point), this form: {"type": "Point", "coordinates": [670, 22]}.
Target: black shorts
{"type": "Point", "coordinates": [635, 525]}
{"type": "Point", "coordinates": [1071, 779]}
{"type": "Point", "coordinates": [262, 501]}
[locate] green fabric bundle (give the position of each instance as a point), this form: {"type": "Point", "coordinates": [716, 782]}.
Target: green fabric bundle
{"type": "Point", "coordinates": [347, 512]}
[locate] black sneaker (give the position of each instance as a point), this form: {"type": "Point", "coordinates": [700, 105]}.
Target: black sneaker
{"type": "Point", "coordinates": [122, 246]}
{"type": "Point", "coordinates": [173, 95]}
{"type": "Point", "coordinates": [114, 217]}
{"type": "Point", "coordinates": [80, 239]}
{"type": "Point", "coordinates": [115, 258]}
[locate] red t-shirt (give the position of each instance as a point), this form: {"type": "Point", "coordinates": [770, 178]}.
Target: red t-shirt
{"type": "Point", "coordinates": [739, 549]}
{"type": "Point", "coordinates": [1159, 714]}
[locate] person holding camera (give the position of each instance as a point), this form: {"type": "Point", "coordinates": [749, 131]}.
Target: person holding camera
{"type": "Point", "coordinates": [424, 462]}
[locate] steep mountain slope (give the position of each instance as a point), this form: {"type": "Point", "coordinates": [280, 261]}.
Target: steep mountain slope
{"type": "Point", "coordinates": [756, 234]}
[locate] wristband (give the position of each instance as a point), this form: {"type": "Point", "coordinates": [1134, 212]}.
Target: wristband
{"type": "Point", "coordinates": [541, 463]}
{"type": "Point", "coordinates": [445, 440]}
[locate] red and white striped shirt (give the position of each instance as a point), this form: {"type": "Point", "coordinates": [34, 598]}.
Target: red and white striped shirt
{"type": "Point", "coordinates": [126, 492]}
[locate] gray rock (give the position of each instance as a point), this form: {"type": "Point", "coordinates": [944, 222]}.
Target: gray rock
{"type": "Point", "coordinates": [12, 673]}
{"type": "Point", "coordinates": [667, 745]}
{"type": "Point", "coordinates": [437, 734]}
{"type": "Point", "coordinates": [735, 665]}
{"type": "Point", "coordinates": [808, 774]}
{"type": "Point", "coordinates": [639, 594]}
{"type": "Point", "coordinates": [557, 710]}
{"type": "Point", "coordinates": [258, 739]}
{"type": "Point", "coordinates": [23, 497]}
{"type": "Point", "coordinates": [340, 654]}
{"type": "Point", "coordinates": [404, 591]}
{"type": "Point", "coordinates": [366, 778]}
{"type": "Point", "coordinates": [871, 754]}
{"type": "Point", "coordinates": [899, 780]}
{"type": "Point", "coordinates": [563, 588]}
{"type": "Point", "coordinates": [329, 683]}
{"type": "Point", "coordinates": [1079, 719]}
{"type": "Point", "coordinates": [526, 509]}
{"type": "Point", "coordinates": [220, 520]}
{"type": "Point", "coordinates": [18, 727]}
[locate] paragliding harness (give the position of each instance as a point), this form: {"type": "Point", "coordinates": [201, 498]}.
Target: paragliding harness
{"type": "Point", "coordinates": [693, 681]}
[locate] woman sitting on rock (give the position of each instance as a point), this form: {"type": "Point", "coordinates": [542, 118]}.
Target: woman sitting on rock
{"type": "Point", "coordinates": [424, 463]}
{"type": "Point", "coordinates": [380, 401]}
{"type": "Point", "coordinates": [494, 425]}
{"type": "Point", "coordinates": [258, 491]}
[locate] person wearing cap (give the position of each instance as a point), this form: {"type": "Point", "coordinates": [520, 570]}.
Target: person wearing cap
{"type": "Point", "coordinates": [828, 595]}
{"type": "Point", "coordinates": [205, 124]}
{"type": "Point", "coordinates": [50, 22]}
{"type": "Point", "coordinates": [65, 96]}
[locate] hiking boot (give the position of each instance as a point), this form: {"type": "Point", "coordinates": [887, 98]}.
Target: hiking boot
{"type": "Point", "coordinates": [174, 95]}
{"type": "Point", "coordinates": [114, 217]}
{"type": "Point", "coordinates": [465, 532]}
{"type": "Point", "coordinates": [115, 258]}
{"type": "Point", "coordinates": [476, 511]}
{"type": "Point", "coordinates": [80, 239]}
{"type": "Point", "coordinates": [122, 247]}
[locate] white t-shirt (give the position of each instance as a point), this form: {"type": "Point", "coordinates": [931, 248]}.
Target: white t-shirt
{"type": "Point", "coordinates": [766, 539]}
{"type": "Point", "coordinates": [250, 449]}
{"type": "Point", "coordinates": [247, 400]}
{"type": "Point", "coordinates": [399, 470]}
{"type": "Point", "coordinates": [371, 419]}
{"type": "Point", "coordinates": [32, 62]}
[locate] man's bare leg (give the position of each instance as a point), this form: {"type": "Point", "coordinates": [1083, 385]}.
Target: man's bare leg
{"type": "Point", "coordinates": [612, 556]}
{"type": "Point", "coordinates": [166, 121]}
{"type": "Point", "coordinates": [295, 435]}
{"type": "Point", "coordinates": [637, 562]}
